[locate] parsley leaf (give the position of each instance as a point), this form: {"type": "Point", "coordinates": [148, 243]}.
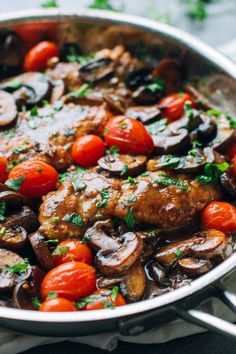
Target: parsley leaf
{"type": "Point", "coordinates": [52, 295]}
{"type": "Point", "coordinates": [132, 180]}
{"type": "Point", "coordinates": [212, 173]}
{"type": "Point", "coordinates": [129, 219]}
{"type": "Point", "coordinates": [124, 170]}
{"type": "Point", "coordinates": [114, 150]}
{"type": "Point", "coordinates": [19, 149]}
{"type": "Point", "coordinates": [81, 92]}
{"type": "Point", "coordinates": [157, 127]}
{"type": "Point", "coordinates": [17, 268]}
{"type": "Point", "coordinates": [179, 253]}
{"type": "Point", "coordinates": [36, 303]}
{"type": "Point", "coordinates": [75, 219]}
{"type": "Point", "coordinates": [15, 183]}
{"type": "Point", "coordinates": [2, 210]}
{"type": "Point", "coordinates": [60, 251]}
{"type": "Point", "coordinates": [78, 184]}
{"type": "Point", "coordinates": [167, 181]}
{"type": "Point", "coordinates": [170, 161]}
{"type": "Point", "coordinates": [105, 198]}
{"type": "Point", "coordinates": [157, 85]}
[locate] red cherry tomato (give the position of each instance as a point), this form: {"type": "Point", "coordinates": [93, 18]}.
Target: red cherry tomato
{"type": "Point", "coordinates": [220, 216]}
{"type": "Point", "coordinates": [3, 169]}
{"type": "Point", "coordinates": [231, 151]}
{"type": "Point", "coordinates": [234, 165]}
{"type": "Point", "coordinates": [129, 135]}
{"type": "Point", "coordinates": [57, 304]}
{"type": "Point", "coordinates": [33, 33]}
{"type": "Point", "coordinates": [87, 150]}
{"type": "Point", "coordinates": [103, 300]}
{"type": "Point", "coordinates": [37, 57]}
{"type": "Point", "coordinates": [74, 251]}
{"type": "Point", "coordinates": [173, 105]}
{"type": "Point", "coordinates": [71, 280]}
{"type": "Point", "coordinates": [38, 178]}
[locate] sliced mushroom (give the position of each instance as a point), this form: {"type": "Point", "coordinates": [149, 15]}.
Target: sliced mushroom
{"type": "Point", "coordinates": [35, 88]}
{"type": "Point", "coordinates": [206, 130]}
{"type": "Point", "coordinates": [228, 182]}
{"type": "Point", "coordinates": [213, 156]}
{"type": "Point", "coordinates": [115, 255]}
{"type": "Point", "coordinates": [169, 70]}
{"type": "Point", "coordinates": [8, 110]}
{"type": "Point", "coordinates": [207, 244]}
{"type": "Point", "coordinates": [58, 90]}
{"type": "Point", "coordinates": [14, 199]}
{"type": "Point", "coordinates": [145, 95]}
{"type": "Point", "coordinates": [155, 272]}
{"type": "Point", "coordinates": [96, 69]}
{"type": "Point", "coordinates": [36, 279]}
{"type": "Point", "coordinates": [194, 266]}
{"type": "Point", "coordinates": [8, 275]}
{"type": "Point", "coordinates": [172, 143]}
{"type": "Point", "coordinates": [146, 114]}
{"type": "Point", "coordinates": [22, 296]}
{"type": "Point", "coordinates": [225, 134]}
{"type": "Point", "coordinates": [12, 53]}
{"type": "Point", "coordinates": [133, 284]}
{"type": "Point", "coordinates": [202, 101]}
{"type": "Point", "coordinates": [13, 239]}
{"type": "Point", "coordinates": [108, 282]}
{"type": "Point", "coordinates": [24, 218]}
{"type": "Point", "coordinates": [123, 165]}
{"type": "Point", "coordinates": [115, 103]}
{"type": "Point", "coordinates": [41, 251]}
{"type": "Point", "coordinates": [137, 77]}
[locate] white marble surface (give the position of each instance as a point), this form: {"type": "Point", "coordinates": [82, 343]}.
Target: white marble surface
{"type": "Point", "coordinates": [217, 29]}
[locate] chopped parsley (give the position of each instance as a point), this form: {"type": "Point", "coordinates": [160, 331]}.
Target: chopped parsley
{"type": "Point", "coordinates": [49, 3]}
{"type": "Point", "coordinates": [129, 219]}
{"type": "Point", "coordinates": [36, 303]}
{"type": "Point", "coordinates": [102, 296]}
{"type": "Point", "coordinates": [78, 184]}
{"type": "Point", "coordinates": [152, 233]}
{"type": "Point", "coordinates": [69, 132]}
{"type": "Point", "coordinates": [157, 127]}
{"type": "Point", "coordinates": [81, 92]}
{"type": "Point", "coordinates": [170, 161]}
{"type": "Point", "coordinates": [114, 150]}
{"type": "Point", "coordinates": [2, 210]}
{"type": "Point", "coordinates": [212, 173]}
{"type": "Point", "coordinates": [196, 144]}
{"type": "Point", "coordinates": [123, 125]}
{"type": "Point", "coordinates": [124, 170]}
{"type": "Point", "coordinates": [19, 149]}
{"type": "Point", "coordinates": [213, 113]}
{"type": "Point", "coordinates": [2, 231]}
{"type": "Point", "coordinates": [167, 181]}
{"type": "Point", "coordinates": [105, 198]}
{"type": "Point", "coordinates": [232, 121]}
{"type": "Point", "coordinates": [18, 267]}
{"type": "Point", "coordinates": [157, 85]}
{"type": "Point", "coordinates": [54, 241]}
{"type": "Point", "coordinates": [55, 219]}
{"type": "Point", "coordinates": [85, 239]}
{"type": "Point", "coordinates": [51, 295]}
{"type": "Point", "coordinates": [179, 253]}
{"type": "Point", "coordinates": [15, 183]}
{"type": "Point", "coordinates": [60, 251]}
{"type": "Point", "coordinates": [75, 219]}
{"type": "Point", "coordinates": [34, 111]}
{"type": "Point", "coordinates": [132, 180]}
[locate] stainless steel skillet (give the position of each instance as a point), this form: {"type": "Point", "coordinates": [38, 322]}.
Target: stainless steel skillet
{"type": "Point", "coordinates": [217, 80]}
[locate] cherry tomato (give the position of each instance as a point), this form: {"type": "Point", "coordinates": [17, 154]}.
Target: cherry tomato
{"type": "Point", "coordinates": [234, 165]}
{"type": "Point", "coordinates": [74, 251]}
{"type": "Point", "coordinates": [231, 151]}
{"type": "Point", "coordinates": [38, 178]}
{"type": "Point", "coordinates": [220, 216]}
{"type": "Point", "coordinates": [87, 150]}
{"type": "Point", "coordinates": [3, 169]}
{"type": "Point", "coordinates": [71, 280]}
{"type": "Point", "coordinates": [37, 57]}
{"type": "Point", "coordinates": [129, 135]}
{"type": "Point", "coordinates": [58, 304]}
{"type": "Point", "coordinates": [103, 300]}
{"type": "Point", "coordinates": [173, 105]}
{"type": "Point", "coordinates": [33, 33]}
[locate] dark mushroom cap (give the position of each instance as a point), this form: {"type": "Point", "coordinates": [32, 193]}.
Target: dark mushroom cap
{"type": "Point", "coordinates": [132, 165]}
{"type": "Point", "coordinates": [41, 251]}
{"type": "Point", "coordinates": [8, 110]}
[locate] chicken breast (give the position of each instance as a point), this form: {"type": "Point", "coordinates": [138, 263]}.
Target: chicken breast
{"type": "Point", "coordinates": [100, 197]}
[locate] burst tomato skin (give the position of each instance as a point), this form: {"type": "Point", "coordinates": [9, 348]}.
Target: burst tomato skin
{"type": "Point", "coordinates": [87, 150]}
{"type": "Point", "coordinates": [129, 135]}
{"type": "Point", "coordinates": [3, 169]}
{"type": "Point", "coordinates": [98, 304]}
{"type": "Point", "coordinates": [71, 281]}
{"type": "Point", "coordinates": [220, 216]}
{"type": "Point", "coordinates": [173, 105]}
{"type": "Point", "coordinates": [77, 251]}
{"type": "Point", "coordinates": [57, 304]}
{"type": "Point", "coordinates": [39, 178]}
{"type": "Point", "coordinates": [37, 57]}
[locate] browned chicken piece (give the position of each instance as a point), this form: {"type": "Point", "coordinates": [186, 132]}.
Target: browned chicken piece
{"type": "Point", "coordinates": [90, 203]}
{"type": "Point", "coordinates": [48, 135]}
{"type": "Point", "coordinates": [165, 206]}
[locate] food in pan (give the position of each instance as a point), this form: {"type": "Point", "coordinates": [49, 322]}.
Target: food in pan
{"type": "Point", "coordinates": [117, 178]}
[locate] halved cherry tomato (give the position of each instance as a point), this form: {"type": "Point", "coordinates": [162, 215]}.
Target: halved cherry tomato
{"type": "Point", "coordinates": [129, 135]}
{"type": "Point", "coordinates": [38, 178]}
{"type": "Point", "coordinates": [74, 251]}
{"type": "Point", "coordinates": [87, 150]}
{"type": "Point", "coordinates": [231, 151]}
{"type": "Point", "coordinates": [220, 216]}
{"type": "Point", "coordinates": [102, 298]}
{"type": "Point", "coordinates": [71, 280]}
{"type": "Point", "coordinates": [3, 169]}
{"type": "Point", "coordinates": [37, 57]}
{"type": "Point", "coordinates": [234, 164]}
{"type": "Point", "coordinates": [173, 105]}
{"type": "Point", "coordinates": [58, 304]}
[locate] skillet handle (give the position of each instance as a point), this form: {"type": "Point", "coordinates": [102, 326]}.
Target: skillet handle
{"type": "Point", "coordinates": [212, 322]}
